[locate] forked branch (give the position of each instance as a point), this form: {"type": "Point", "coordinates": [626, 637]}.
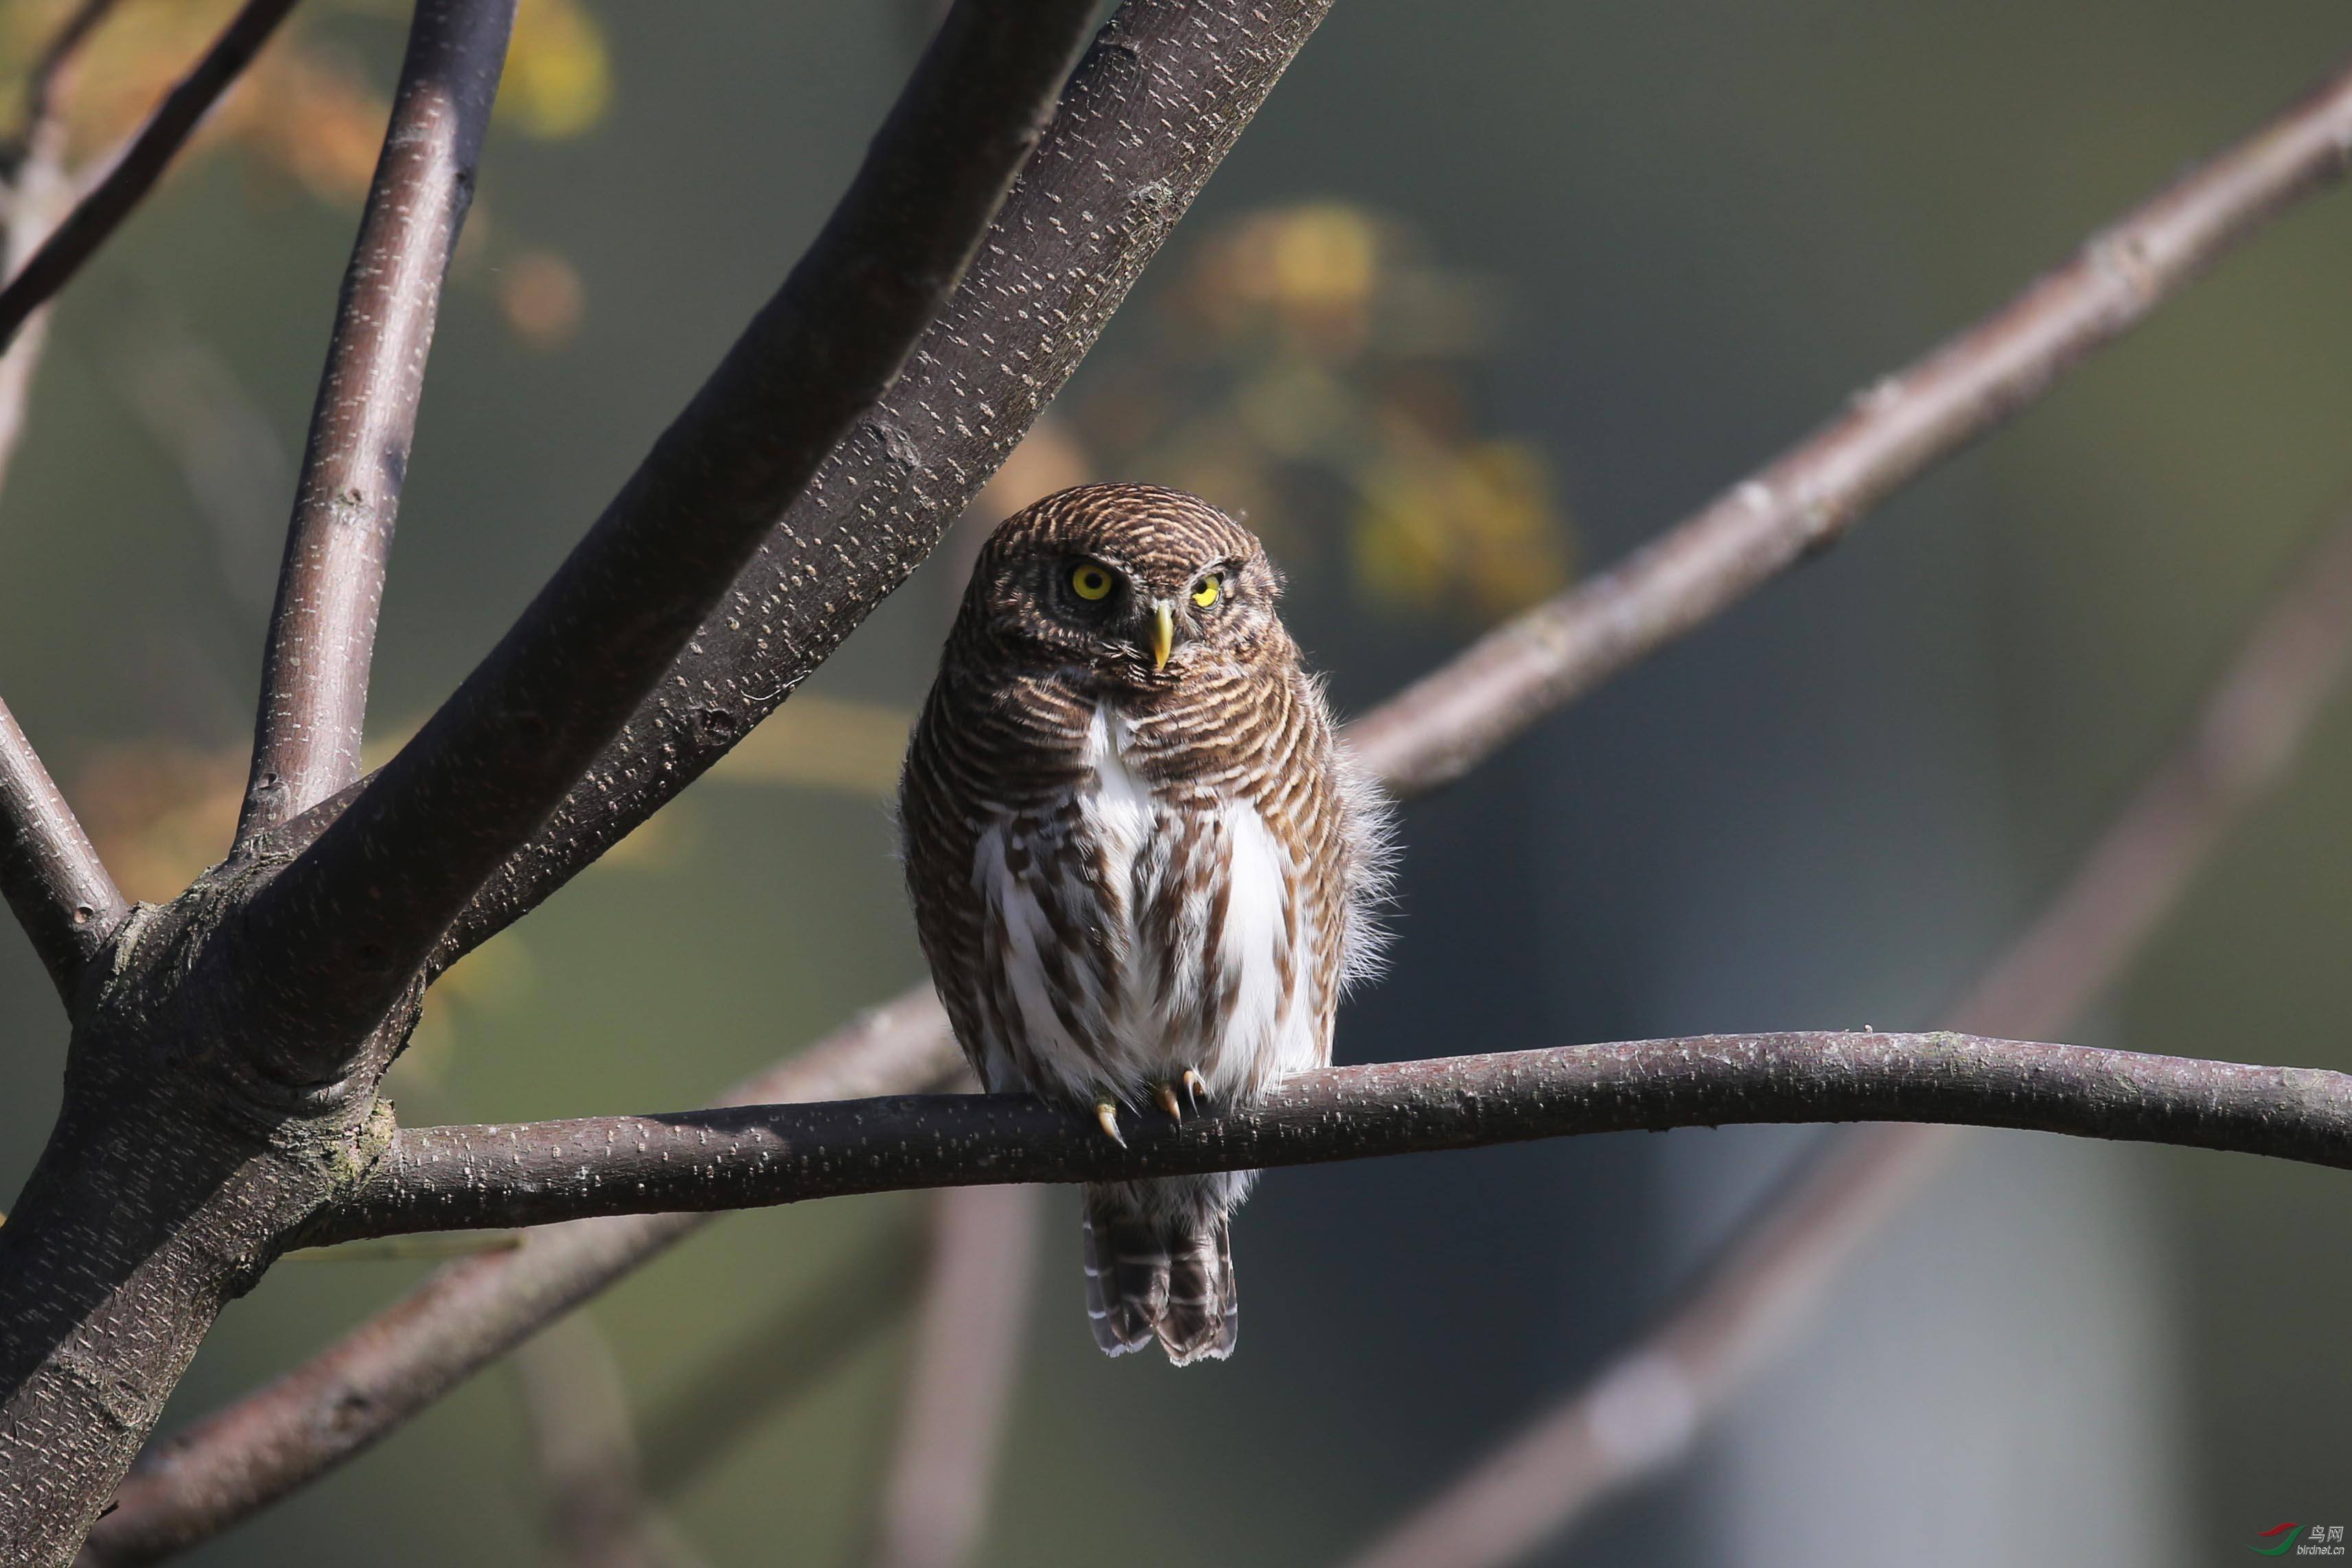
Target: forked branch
{"type": "Point", "coordinates": [314, 670]}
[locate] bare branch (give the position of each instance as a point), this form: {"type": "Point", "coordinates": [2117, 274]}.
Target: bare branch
{"type": "Point", "coordinates": [348, 925]}
{"type": "Point", "coordinates": [314, 672]}
{"type": "Point", "coordinates": [1642, 1411]}
{"type": "Point", "coordinates": [455, 1178]}
{"type": "Point", "coordinates": [138, 166]}
{"type": "Point", "coordinates": [49, 873]}
{"type": "Point", "coordinates": [1898, 429]}
{"type": "Point", "coordinates": [206, 1477]}
{"type": "Point", "coordinates": [960, 1378]}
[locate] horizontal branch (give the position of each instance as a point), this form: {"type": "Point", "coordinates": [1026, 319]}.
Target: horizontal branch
{"type": "Point", "coordinates": [451, 1178]}
{"type": "Point", "coordinates": [340, 934]}
{"type": "Point", "coordinates": [50, 872]}
{"type": "Point", "coordinates": [1438, 729]}
{"type": "Point", "coordinates": [138, 166]}
{"type": "Point", "coordinates": [314, 668]}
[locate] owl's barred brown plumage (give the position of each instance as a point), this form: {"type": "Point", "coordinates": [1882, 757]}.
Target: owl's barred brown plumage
{"type": "Point", "coordinates": [1141, 859]}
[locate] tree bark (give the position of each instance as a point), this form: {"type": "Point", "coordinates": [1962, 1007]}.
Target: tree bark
{"type": "Point", "coordinates": [449, 1178]}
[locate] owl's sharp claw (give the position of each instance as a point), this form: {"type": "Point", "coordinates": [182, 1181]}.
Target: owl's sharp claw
{"type": "Point", "coordinates": [1165, 1093]}
{"type": "Point", "coordinates": [1194, 1087]}
{"type": "Point", "coordinates": [1107, 1114]}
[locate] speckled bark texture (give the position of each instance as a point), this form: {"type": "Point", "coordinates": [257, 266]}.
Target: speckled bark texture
{"type": "Point", "coordinates": [438, 1178]}
{"type": "Point", "coordinates": [1157, 102]}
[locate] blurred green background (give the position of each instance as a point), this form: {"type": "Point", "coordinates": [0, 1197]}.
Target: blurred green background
{"type": "Point", "coordinates": [1486, 296]}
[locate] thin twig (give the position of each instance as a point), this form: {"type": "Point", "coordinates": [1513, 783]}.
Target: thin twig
{"type": "Point", "coordinates": [1648, 1402]}
{"type": "Point", "coordinates": [246, 1456]}
{"type": "Point", "coordinates": [1897, 431]}
{"type": "Point", "coordinates": [959, 1381]}
{"type": "Point", "coordinates": [138, 166]}
{"type": "Point", "coordinates": [349, 924]}
{"type": "Point", "coordinates": [49, 873]}
{"type": "Point", "coordinates": [314, 669]}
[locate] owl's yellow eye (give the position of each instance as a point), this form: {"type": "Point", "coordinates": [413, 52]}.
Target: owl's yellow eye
{"type": "Point", "coordinates": [1090, 582]}
{"type": "Point", "coordinates": [1206, 593]}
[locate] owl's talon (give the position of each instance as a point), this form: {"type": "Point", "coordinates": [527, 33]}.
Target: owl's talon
{"type": "Point", "coordinates": [1165, 1093]}
{"type": "Point", "coordinates": [1107, 1114]}
{"type": "Point", "coordinates": [1194, 1087]}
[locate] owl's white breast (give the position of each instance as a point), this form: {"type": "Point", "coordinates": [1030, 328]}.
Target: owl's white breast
{"type": "Point", "coordinates": [1146, 1016]}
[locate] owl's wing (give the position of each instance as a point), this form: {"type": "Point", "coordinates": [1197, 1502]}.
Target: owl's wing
{"type": "Point", "coordinates": [938, 840]}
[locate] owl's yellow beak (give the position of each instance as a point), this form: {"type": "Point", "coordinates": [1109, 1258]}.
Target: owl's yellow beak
{"type": "Point", "coordinates": [1163, 633]}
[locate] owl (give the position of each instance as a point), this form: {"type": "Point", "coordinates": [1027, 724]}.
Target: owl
{"type": "Point", "coordinates": [1142, 861]}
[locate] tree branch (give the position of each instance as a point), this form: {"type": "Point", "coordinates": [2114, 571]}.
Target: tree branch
{"type": "Point", "coordinates": [455, 1178]}
{"type": "Point", "coordinates": [314, 672]}
{"type": "Point", "coordinates": [1158, 100]}
{"type": "Point", "coordinates": [138, 166]}
{"type": "Point", "coordinates": [346, 927]}
{"type": "Point", "coordinates": [1648, 1402]}
{"type": "Point", "coordinates": [242, 1458]}
{"type": "Point", "coordinates": [49, 873]}
{"type": "Point", "coordinates": [1806, 499]}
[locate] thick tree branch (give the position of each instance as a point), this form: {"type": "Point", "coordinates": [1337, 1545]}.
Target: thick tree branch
{"type": "Point", "coordinates": [1894, 432]}
{"type": "Point", "coordinates": [449, 1178]}
{"type": "Point", "coordinates": [138, 166]}
{"type": "Point", "coordinates": [203, 1479]}
{"type": "Point", "coordinates": [49, 873]}
{"type": "Point", "coordinates": [345, 928]}
{"type": "Point", "coordinates": [1158, 100]}
{"type": "Point", "coordinates": [314, 671]}
{"type": "Point", "coordinates": [1647, 1404]}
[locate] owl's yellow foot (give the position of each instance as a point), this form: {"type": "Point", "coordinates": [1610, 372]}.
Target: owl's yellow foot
{"type": "Point", "coordinates": [1165, 1093]}
{"type": "Point", "coordinates": [1107, 1114]}
{"type": "Point", "coordinates": [1194, 1087]}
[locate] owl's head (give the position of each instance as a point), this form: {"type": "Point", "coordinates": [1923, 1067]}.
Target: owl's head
{"type": "Point", "coordinates": [1138, 584]}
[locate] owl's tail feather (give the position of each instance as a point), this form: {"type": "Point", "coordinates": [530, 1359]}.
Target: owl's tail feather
{"type": "Point", "coordinates": [1166, 1275]}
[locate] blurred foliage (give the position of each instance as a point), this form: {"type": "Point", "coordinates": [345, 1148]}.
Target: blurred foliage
{"type": "Point", "coordinates": [1313, 367]}
{"type": "Point", "coordinates": [307, 114]}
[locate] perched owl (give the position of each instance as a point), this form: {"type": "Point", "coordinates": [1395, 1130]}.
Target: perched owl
{"type": "Point", "coordinates": [1142, 861]}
